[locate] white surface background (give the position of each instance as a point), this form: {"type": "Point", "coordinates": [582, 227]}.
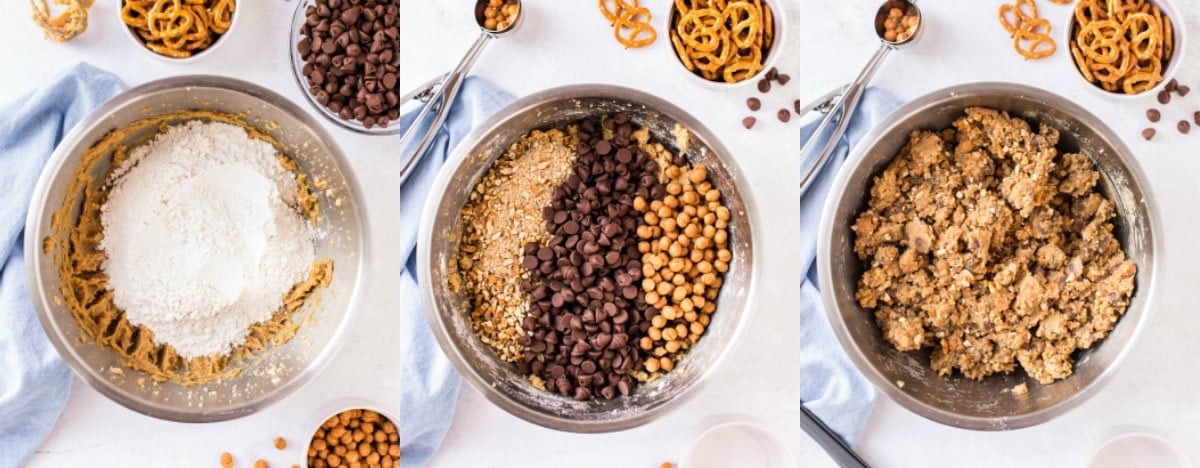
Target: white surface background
{"type": "Point", "coordinates": [96, 432]}
{"type": "Point", "coordinates": [566, 42]}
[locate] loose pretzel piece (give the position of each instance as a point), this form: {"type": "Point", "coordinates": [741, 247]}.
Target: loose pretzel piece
{"type": "Point", "coordinates": [629, 31]}
{"type": "Point", "coordinates": [1030, 33]}
{"type": "Point", "coordinates": [64, 26]}
{"type": "Point", "coordinates": [1034, 44]}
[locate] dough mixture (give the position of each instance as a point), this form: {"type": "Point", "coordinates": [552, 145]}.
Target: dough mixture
{"type": "Point", "coordinates": [78, 249]}
{"type": "Point", "coordinates": [984, 243]}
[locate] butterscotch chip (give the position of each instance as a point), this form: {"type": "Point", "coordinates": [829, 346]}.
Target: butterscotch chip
{"type": "Point", "coordinates": [280, 443]}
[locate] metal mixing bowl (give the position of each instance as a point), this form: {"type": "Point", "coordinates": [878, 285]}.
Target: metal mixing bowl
{"type": "Point", "coordinates": [447, 312]}
{"type": "Point", "coordinates": [271, 374]}
{"type": "Point", "coordinates": [955, 400]}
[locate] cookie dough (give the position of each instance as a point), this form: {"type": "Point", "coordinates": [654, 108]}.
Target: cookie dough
{"type": "Point", "coordinates": [984, 243]}
{"type": "Point", "coordinates": [74, 247]}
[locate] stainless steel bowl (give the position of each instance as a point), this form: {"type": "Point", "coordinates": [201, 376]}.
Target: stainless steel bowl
{"type": "Point", "coordinates": [272, 374]}
{"type": "Point", "coordinates": [499, 381]}
{"type": "Point", "coordinates": [957, 401]}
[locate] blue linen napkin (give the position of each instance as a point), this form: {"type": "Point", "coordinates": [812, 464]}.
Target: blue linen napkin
{"type": "Point", "coordinates": [34, 381]}
{"type": "Point", "coordinates": [430, 384]}
{"type": "Point", "coordinates": [830, 385]}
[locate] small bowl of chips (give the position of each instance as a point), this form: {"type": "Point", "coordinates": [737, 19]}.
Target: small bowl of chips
{"type": "Point", "coordinates": [726, 42]}
{"type": "Point", "coordinates": [178, 30]}
{"type": "Point", "coordinates": [1125, 47]}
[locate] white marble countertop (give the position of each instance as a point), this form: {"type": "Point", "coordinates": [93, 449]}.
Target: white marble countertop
{"type": "Point", "coordinates": [94, 431]}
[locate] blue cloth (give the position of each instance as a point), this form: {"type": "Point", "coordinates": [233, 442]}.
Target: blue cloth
{"type": "Point", "coordinates": [830, 385]}
{"type": "Point", "coordinates": [429, 383]}
{"type": "Point", "coordinates": [34, 381]}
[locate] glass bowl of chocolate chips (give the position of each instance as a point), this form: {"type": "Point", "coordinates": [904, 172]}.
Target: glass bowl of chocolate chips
{"type": "Point", "coordinates": [346, 59]}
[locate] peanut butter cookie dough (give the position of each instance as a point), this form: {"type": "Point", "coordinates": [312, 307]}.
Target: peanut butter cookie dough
{"type": "Point", "coordinates": [75, 247]}
{"type": "Point", "coordinates": [985, 243]}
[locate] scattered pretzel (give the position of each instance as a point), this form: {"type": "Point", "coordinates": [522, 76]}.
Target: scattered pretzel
{"type": "Point", "coordinates": [64, 26]}
{"type": "Point", "coordinates": [1121, 45]}
{"type": "Point", "coordinates": [1032, 39]}
{"type": "Point", "coordinates": [630, 22]}
{"type": "Point", "coordinates": [1030, 33]}
{"type": "Point", "coordinates": [178, 28]}
{"type": "Point", "coordinates": [632, 32]}
{"type": "Point", "coordinates": [722, 40]}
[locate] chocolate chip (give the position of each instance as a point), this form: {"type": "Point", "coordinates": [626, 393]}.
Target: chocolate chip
{"type": "Point", "coordinates": [764, 85]}
{"type": "Point", "coordinates": [748, 122]}
{"type": "Point", "coordinates": [796, 106]}
{"type": "Point", "coordinates": [1184, 127]}
{"type": "Point", "coordinates": [753, 104]}
{"type": "Point", "coordinates": [1164, 97]}
{"type": "Point", "coordinates": [1196, 118]}
{"type": "Point", "coordinates": [1183, 90]}
{"type": "Point", "coordinates": [784, 115]}
{"type": "Point", "coordinates": [1153, 115]}
{"type": "Point", "coordinates": [1172, 85]}
{"type": "Point", "coordinates": [771, 74]}
{"type": "Point", "coordinates": [580, 335]}
{"type": "Point", "coordinates": [351, 55]}
{"type": "Point", "coordinates": [783, 79]}
{"type": "Point", "coordinates": [1148, 134]}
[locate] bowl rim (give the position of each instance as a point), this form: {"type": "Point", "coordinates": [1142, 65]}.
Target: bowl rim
{"type": "Point", "coordinates": [295, 64]}
{"type": "Point", "coordinates": [233, 22]}
{"type": "Point", "coordinates": [41, 296]}
{"type": "Point", "coordinates": [950, 96]}
{"type": "Point", "coordinates": [778, 16]}
{"type": "Point", "coordinates": [461, 155]}
{"type": "Point", "coordinates": [1178, 27]}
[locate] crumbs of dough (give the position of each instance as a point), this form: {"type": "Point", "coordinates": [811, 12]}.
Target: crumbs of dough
{"type": "Point", "coordinates": [986, 244]}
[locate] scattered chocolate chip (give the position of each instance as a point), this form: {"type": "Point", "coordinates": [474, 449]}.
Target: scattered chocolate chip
{"type": "Point", "coordinates": [783, 79]}
{"type": "Point", "coordinates": [1148, 134]}
{"type": "Point", "coordinates": [772, 74]}
{"type": "Point", "coordinates": [748, 122]}
{"type": "Point", "coordinates": [1164, 97]}
{"type": "Point", "coordinates": [1172, 85]}
{"type": "Point", "coordinates": [784, 115]}
{"type": "Point", "coordinates": [796, 106]}
{"type": "Point", "coordinates": [754, 104]}
{"type": "Point", "coordinates": [1153, 115]}
{"type": "Point", "coordinates": [1184, 127]}
{"type": "Point", "coordinates": [1183, 90]}
{"type": "Point", "coordinates": [764, 85]}
{"type": "Point", "coordinates": [1196, 117]}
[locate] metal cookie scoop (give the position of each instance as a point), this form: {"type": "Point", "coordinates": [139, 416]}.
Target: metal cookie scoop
{"type": "Point", "coordinates": [443, 89]}
{"type": "Point", "coordinates": [840, 109]}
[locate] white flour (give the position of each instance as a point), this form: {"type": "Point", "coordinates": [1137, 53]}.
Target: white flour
{"type": "Point", "coordinates": [202, 236]}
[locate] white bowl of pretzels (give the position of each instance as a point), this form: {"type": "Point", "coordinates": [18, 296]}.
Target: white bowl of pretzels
{"type": "Point", "coordinates": [178, 30]}
{"type": "Point", "coordinates": [726, 43]}
{"type": "Point", "coordinates": [1126, 48]}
